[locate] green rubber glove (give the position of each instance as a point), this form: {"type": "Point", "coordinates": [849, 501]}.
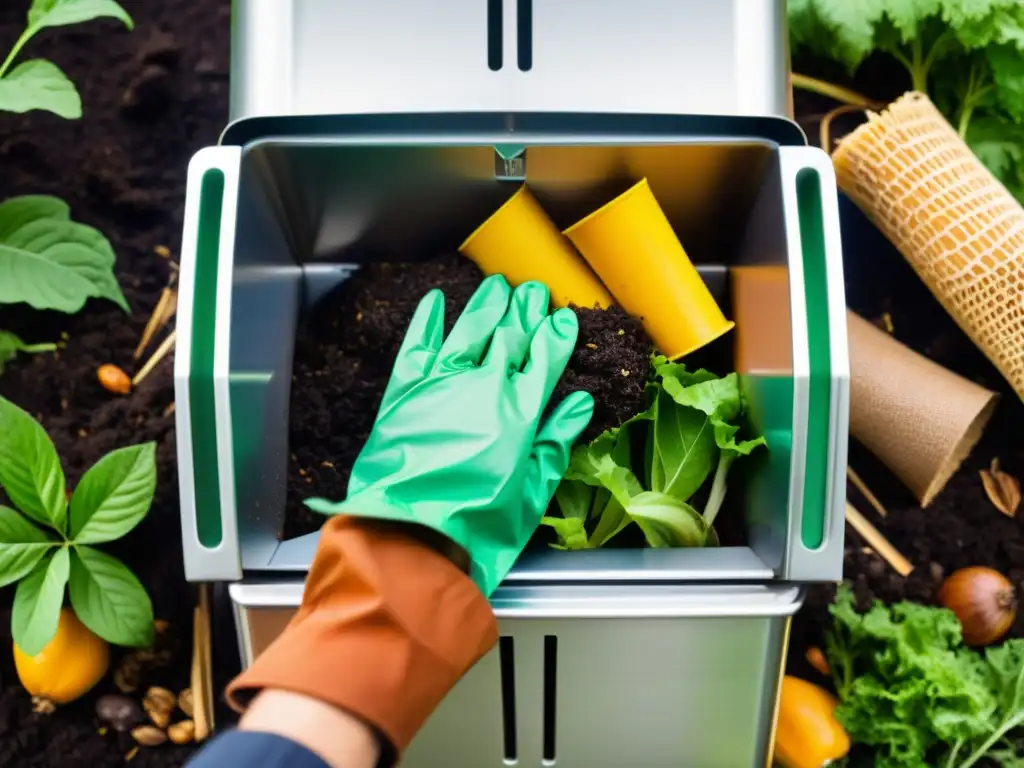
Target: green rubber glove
{"type": "Point", "coordinates": [457, 445]}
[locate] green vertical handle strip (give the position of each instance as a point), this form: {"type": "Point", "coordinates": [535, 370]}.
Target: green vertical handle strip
{"type": "Point", "coordinates": [205, 469]}
{"type": "Point", "coordinates": [816, 469]}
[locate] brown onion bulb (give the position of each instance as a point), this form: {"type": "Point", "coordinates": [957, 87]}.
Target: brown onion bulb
{"type": "Point", "coordinates": [984, 601]}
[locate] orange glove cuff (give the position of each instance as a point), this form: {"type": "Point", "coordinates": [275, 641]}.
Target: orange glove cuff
{"type": "Point", "coordinates": [387, 626]}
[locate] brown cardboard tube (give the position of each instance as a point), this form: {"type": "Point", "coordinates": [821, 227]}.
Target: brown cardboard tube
{"type": "Point", "coordinates": [919, 418]}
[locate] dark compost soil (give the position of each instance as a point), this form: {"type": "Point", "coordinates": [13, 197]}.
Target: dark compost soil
{"type": "Point", "coordinates": [344, 355]}
{"type": "Point", "coordinates": [151, 98]}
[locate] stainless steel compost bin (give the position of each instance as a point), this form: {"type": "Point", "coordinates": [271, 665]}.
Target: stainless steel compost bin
{"type": "Point", "coordinates": [607, 658]}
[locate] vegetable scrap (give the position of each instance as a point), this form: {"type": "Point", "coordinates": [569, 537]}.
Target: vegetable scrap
{"type": "Point", "coordinates": [964, 53]}
{"type": "Point", "coordinates": [983, 600]}
{"type": "Point", "coordinates": [1002, 488]}
{"type": "Point", "coordinates": [807, 734]}
{"type": "Point", "coordinates": [689, 428]}
{"type": "Point", "coordinates": [113, 379]}
{"type": "Point", "coordinates": [816, 658]}
{"type": "Point", "coordinates": [910, 689]}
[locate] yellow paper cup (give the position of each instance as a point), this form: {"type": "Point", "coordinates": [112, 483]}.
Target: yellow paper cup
{"type": "Point", "coordinates": [632, 248]}
{"type": "Point", "coordinates": [520, 242]}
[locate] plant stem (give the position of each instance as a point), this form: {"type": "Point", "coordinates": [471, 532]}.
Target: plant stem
{"type": "Point", "coordinates": [918, 66]}
{"type": "Point", "coordinates": [951, 762]}
{"type": "Point", "coordinates": [965, 119]}
{"type": "Point", "coordinates": [717, 494]}
{"type": "Point", "coordinates": [837, 92]}
{"type": "Point", "coordinates": [25, 37]}
{"type": "Point", "coordinates": [33, 349]}
{"type": "Point", "coordinates": [1005, 728]}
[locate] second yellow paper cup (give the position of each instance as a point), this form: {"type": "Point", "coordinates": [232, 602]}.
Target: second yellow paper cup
{"type": "Point", "coordinates": [630, 244]}
{"type": "Point", "coordinates": [520, 242]}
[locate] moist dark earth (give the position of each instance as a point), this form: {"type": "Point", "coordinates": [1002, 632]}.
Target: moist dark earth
{"type": "Point", "coordinates": [154, 96]}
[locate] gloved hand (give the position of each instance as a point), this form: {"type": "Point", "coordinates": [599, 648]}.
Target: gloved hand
{"type": "Point", "coordinates": [457, 445]}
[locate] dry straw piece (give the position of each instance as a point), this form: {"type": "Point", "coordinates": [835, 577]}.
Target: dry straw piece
{"type": "Point", "coordinates": [963, 233]}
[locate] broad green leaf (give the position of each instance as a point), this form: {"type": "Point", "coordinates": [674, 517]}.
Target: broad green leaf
{"type": "Point", "coordinates": [570, 531]}
{"type": "Point", "coordinates": [114, 495]}
{"type": "Point", "coordinates": [39, 84]}
{"type": "Point", "coordinates": [37, 603]}
{"type": "Point", "coordinates": [109, 599]}
{"type": "Point", "coordinates": [50, 263]}
{"type": "Point", "coordinates": [667, 521]}
{"type": "Point", "coordinates": [30, 471]}
{"type": "Point", "coordinates": [59, 13]}
{"type": "Point", "coordinates": [684, 450]}
{"type": "Point", "coordinates": [573, 498]}
{"type": "Point", "coordinates": [16, 212]}
{"type": "Point", "coordinates": [22, 546]}
{"type": "Point", "coordinates": [11, 345]}
{"type": "Point", "coordinates": [611, 521]}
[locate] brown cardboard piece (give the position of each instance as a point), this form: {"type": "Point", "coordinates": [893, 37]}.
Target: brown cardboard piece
{"type": "Point", "coordinates": [920, 419]}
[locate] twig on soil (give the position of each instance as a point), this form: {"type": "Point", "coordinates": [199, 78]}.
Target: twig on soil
{"type": "Point", "coordinates": [202, 672]}
{"type": "Point", "coordinates": [161, 352]}
{"type": "Point", "coordinates": [878, 542]}
{"type": "Point", "coordinates": [861, 486]}
{"type": "Point", "coordinates": [837, 92]}
{"type": "Point", "coordinates": [825, 127]}
{"type": "Point", "coordinates": [162, 312]}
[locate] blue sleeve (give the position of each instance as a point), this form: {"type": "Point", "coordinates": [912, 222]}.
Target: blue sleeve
{"type": "Point", "coordinates": [251, 749]}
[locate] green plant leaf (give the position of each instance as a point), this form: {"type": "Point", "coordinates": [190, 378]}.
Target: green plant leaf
{"type": "Point", "coordinates": [59, 13]}
{"type": "Point", "coordinates": [30, 471]}
{"type": "Point", "coordinates": [39, 84]}
{"type": "Point", "coordinates": [114, 495]}
{"type": "Point", "coordinates": [37, 603]}
{"type": "Point", "coordinates": [666, 521]}
{"type": "Point", "coordinates": [109, 599]}
{"type": "Point", "coordinates": [16, 212]}
{"type": "Point", "coordinates": [570, 531]}
{"type": "Point", "coordinates": [683, 448]}
{"type": "Point", "coordinates": [52, 263]}
{"type": "Point", "coordinates": [574, 498]}
{"type": "Point", "coordinates": [11, 345]}
{"type": "Point", "coordinates": [22, 546]}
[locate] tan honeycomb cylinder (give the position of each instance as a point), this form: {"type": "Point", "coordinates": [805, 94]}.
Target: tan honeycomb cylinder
{"type": "Point", "coordinates": [920, 419]}
{"type": "Point", "coordinates": [963, 233]}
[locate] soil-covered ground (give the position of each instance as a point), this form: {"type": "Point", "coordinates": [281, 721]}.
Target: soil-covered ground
{"type": "Point", "coordinates": [154, 96]}
{"type": "Point", "coordinates": [151, 98]}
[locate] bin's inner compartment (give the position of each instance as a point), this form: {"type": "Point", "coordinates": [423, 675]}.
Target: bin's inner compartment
{"type": "Point", "coordinates": [363, 232]}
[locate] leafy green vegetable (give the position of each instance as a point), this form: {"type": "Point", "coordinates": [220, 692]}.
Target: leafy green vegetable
{"type": "Point", "coordinates": [11, 345]}
{"type": "Point", "coordinates": [37, 602]}
{"type": "Point", "coordinates": [50, 261]}
{"type": "Point", "coordinates": [111, 499]}
{"type": "Point", "coordinates": [968, 55]}
{"type": "Point", "coordinates": [109, 599]}
{"type": "Point", "coordinates": [687, 431]}
{"type": "Point", "coordinates": [909, 687]}
{"type": "Point", "coordinates": [40, 84]}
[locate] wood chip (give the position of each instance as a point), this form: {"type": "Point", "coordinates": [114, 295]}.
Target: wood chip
{"type": "Point", "coordinates": [131, 754]}
{"type": "Point", "coordinates": [878, 542]}
{"type": "Point", "coordinates": [162, 251]}
{"type": "Point", "coordinates": [160, 354]}
{"type": "Point", "coordinates": [887, 323]}
{"type": "Point", "coordinates": [202, 668]}
{"type": "Point", "coordinates": [168, 410]}
{"type": "Point", "coordinates": [162, 312]}
{"type": "Point", "coordinates": [1002, 488]}
{"type": "Point", "coordinates": [866, 492]}
{"type": "Point", "coordinates": [591, 346]}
